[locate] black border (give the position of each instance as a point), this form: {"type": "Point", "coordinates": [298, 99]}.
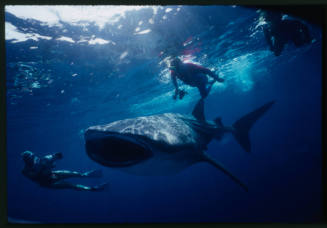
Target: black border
{"type": "Point", "coordinates": [324, 123]}
{"type": "Point", "coordinates": [3, 158]}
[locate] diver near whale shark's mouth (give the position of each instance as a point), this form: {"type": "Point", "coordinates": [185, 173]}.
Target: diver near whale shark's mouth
{"type": "Point", "coordinates": [167, 143]}
{"type": "Point", "coordinates": [40, 171]}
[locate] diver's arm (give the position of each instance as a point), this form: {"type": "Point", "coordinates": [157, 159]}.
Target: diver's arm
{"type": "Point", "coordinates": [30, 172]}
{"type": "Point", "coordinates": [24, 172]}
{"type": "Point", "coordinates": [51, 158]}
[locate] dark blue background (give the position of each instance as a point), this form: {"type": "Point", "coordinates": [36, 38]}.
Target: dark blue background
{"type": "Point", "coordinates": [283, 171]}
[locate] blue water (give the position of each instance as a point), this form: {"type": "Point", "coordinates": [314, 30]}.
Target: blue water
{"type": "Point", "coordinates": [57, 88]}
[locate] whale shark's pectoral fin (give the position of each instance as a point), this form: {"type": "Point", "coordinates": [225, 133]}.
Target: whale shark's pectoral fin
{"type": "Point", "coordinates": [218, 165]}
{"type": "Point", "coordinates": [198, 111]}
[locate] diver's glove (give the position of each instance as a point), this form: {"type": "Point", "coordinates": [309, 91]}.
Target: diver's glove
{"type": "Point", "coordinates": [99, 187]}
{"type": "Point", "coordinates": [58, 155]}
{"type": "Point", "coordinates": [182, 93]}
{"type": "Point", "coordinates": [220, 79]}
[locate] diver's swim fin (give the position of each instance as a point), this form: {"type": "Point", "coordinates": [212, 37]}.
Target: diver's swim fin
{"type": "Point", "coordinates": [93, 173]}
{"type": "Point", "coordinates": [198, 111]}
{"type": "Point", "coordinates": [218, 165]}
{"type": "Point", "coordinates": [99, 187]}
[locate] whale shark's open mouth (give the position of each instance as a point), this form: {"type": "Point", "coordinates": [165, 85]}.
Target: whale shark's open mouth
{"type": "Point", "coordinates": [114, 149]}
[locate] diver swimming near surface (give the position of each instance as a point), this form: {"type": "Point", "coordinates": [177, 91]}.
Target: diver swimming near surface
{"type": "Point", "coordinates": [192, 75]}
{"type": "Point", "coordinates": [40, 171]}
{"type": "Point", "coordinates": [279, 31]}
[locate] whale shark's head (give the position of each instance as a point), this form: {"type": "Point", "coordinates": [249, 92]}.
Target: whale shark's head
{"type": "Point", "coordinates": [138, 140]}
{"type": "Point", "coordinates": [115, 149]}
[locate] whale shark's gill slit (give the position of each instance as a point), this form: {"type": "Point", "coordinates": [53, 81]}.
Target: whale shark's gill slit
{"type": "Point", "coordinates": [115, 151]}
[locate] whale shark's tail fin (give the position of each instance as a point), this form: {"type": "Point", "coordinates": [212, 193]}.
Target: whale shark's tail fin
{"type": "Point", "coordinates": [243, 125]}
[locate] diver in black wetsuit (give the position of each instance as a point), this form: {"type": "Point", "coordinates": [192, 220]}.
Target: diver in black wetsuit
{"type": "Point", "coordinates": [280, 31]}
{"type": "Point", "coordinates": [40, 171]}
{"type": "Point", "coordinates": [192, 75]}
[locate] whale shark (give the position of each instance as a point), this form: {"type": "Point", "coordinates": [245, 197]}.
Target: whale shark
{"type": "Point", "coordinates": [165, 144]}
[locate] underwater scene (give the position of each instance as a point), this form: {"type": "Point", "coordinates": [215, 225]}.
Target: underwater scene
{"type": "Point", "coordinates": [162, 114]}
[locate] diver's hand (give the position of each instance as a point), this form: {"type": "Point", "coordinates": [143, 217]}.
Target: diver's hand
{"type": "Point", "coordinates": [58, 155]}
{"type": "Point", "coordinates": [220, 80]}
{"type": "Point", "coordinates": [182, 94]}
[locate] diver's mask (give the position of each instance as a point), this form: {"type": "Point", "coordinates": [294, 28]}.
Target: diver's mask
{"type": "Point", "coordinates": [28, 156]}
{"type": "Point", "coordinates": [174, 64]}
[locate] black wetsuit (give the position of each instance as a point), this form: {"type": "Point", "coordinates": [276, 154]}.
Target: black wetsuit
{"type": "Point", "coordinates": [40, 171]}
{"type": "Point", "coordinates": [193, 75]}
{"type": "Point", "coordinates": [278, 33]}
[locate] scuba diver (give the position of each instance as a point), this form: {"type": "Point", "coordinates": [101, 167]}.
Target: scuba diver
{"type": "Point", "coordinates": [192, 75]}
{"type": "Point", "coordinates": [40, 171]}
{"type": "Point", "coordinates": [279, 31]}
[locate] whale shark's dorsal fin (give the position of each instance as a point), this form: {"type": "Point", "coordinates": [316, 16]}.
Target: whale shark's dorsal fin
{"type": "Point", "coordinates": [198, 111]}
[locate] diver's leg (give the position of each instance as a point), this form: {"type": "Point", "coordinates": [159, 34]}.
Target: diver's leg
{"type": "Point", "coordinates": [67, 185]}
{"type": "Point", "coordinates": [202, 82]}
{"type": "Point", "coordinates": [208, 88]}
{"type": "Point", "coordinates": [204, 89]}
{"type": "Point", "coordinates": [63, 174]}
